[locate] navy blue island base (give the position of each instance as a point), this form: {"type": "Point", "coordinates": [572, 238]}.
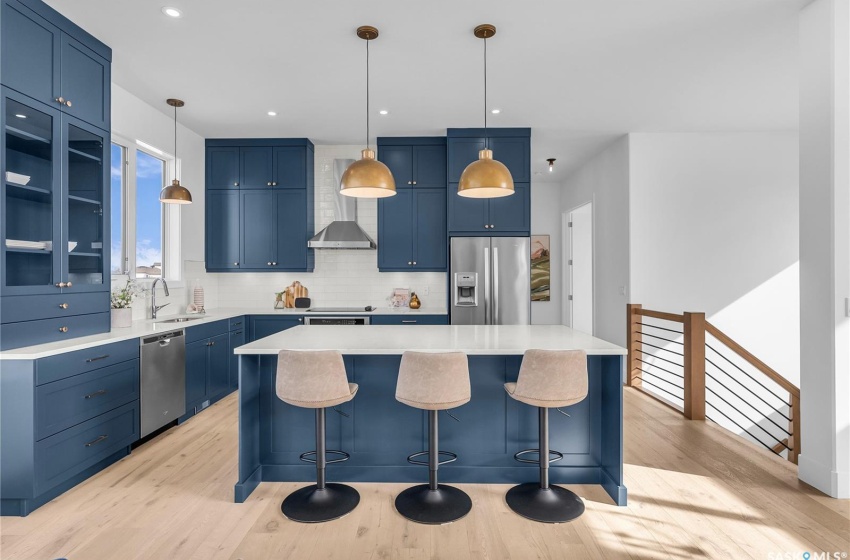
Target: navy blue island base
{"type": "Point", "coordinates": [380, 432]}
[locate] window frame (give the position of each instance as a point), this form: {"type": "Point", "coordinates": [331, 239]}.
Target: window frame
{"type": "Point", "coordinates": [169, 218]}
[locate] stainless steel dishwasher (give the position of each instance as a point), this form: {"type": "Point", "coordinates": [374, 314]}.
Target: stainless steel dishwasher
{"type": "Point", "coordinates": [163, 380]}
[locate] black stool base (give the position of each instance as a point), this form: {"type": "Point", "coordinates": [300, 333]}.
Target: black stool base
{"type": "Point", "coordinates": [549, 505]}
{"type": "Point", "coordinates": [311, 505]}
{"type": "Point", "coordinates": [433, 507]}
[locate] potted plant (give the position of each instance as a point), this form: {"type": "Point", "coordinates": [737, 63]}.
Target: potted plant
{"type": "Point", "coordinates": [121, 303]}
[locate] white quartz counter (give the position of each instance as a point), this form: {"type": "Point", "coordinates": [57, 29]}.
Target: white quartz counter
{"type": "Point", "coordinates": [396, 339]}
{"type": "Point", "coordinates": [145, 327]}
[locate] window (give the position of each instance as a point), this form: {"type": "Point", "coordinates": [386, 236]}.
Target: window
{"type": "Point", "coordinates": [145, 232]}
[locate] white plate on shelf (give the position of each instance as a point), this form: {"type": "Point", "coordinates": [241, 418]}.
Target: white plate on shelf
{"type": "Point", "coordinates": [17, 178]}
{"type": "Point", "coordinates": [21, 244]}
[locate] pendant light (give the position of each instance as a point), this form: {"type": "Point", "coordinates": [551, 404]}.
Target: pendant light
{"type": "Point", "coordinates": [367, 177]}
{"type": "Point", "coordinates": [486, 177]}
{"type": "Point", "coordinates": [175, 193]}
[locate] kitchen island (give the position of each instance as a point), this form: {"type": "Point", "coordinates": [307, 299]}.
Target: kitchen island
{"type": "Point", "coordinates": [379, 432]}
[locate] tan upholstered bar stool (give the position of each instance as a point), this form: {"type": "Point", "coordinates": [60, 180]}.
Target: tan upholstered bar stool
{"type": "Point", "coordinates": [547, 379]}
{"type": "Point", "coordinates": [316, 380]}
{"type": "Point", "coordinates": [433, 382]}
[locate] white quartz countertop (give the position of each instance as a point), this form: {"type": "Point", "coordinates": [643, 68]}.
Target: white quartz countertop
{"type": "Point", "coordinates": [145, 327]}
{"type": "Point", "coordinates": [396, 339]}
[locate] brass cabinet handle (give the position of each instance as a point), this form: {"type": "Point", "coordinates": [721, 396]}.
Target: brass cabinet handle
{"type": "Point", "coordinates": [60, 100]}
{"type": "Point", "coordinates": [486, 226]}
{"type": "Point", "coordinates": [410, 182]}
{"type": "Point", "coordinates": [68, 284]}
{"type": "Point", "coordinates": [211, 343]}
{"type": "Point", "coordinates": [67, 103]}
{"type": "Point", "coordinates": [97, 358]}
{"type": "Point", "coordinates": [60, 284]}
{"type": "Point", "coordinates": [236, 264]}
{"type": "Point", "coordinates": [414, 263]}
{"type": "Point", "coordinates": [492, 226]}
{"type": "Point", "coordinates": [409, 263]}
{"type": "Point", "coordinates": [269, 263]}
{"type": "Point", "coordinates": [414, 182]}
{"type": "Point", "coordinates": [274, 263]}
{"type": "Point", "coordinates": [274, 183]}
{"type": "Point", "coordinates": [96, 394]}
{"type": "Point", "coordinates": [63, 306]}
{"type": "Point", "coordinates": [269, 184]}
{"type": "Point", "coordinates": [63, 329]}
{"type": "Point", "coordinates": [97, 440]}
{"type": "Point", "coordinates": [235, 184]}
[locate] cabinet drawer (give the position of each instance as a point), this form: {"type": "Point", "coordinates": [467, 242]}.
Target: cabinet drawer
{"type": "Point", "coordinates": [410, 320]}
{"type": "Point", "coordinates": [65, 454]}
{"type": "Point", "coordinates": [237, 323]}
{"type": "Point", "coordinates": [207, 330]}
{"type": "Point", "coordinates": [62, 404]}
{"type": "Point", "coordinates": [60, 366]}
{"type": "Point", "coordinates": [30, 333]}
{"type": "Point", "coordinates": [31, 308]}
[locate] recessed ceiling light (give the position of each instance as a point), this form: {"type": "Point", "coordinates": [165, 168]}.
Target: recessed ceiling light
{"type": "Point", "coordinates": [384, 112]}
{"type": "Point", "coordinates": [172, 12]}
{"type": "Point", "coordinates": [496, 111]}
{"type": "Point", "coordinates": [20, 116]}
{"type": "Point", "coordinates": [271, 114]}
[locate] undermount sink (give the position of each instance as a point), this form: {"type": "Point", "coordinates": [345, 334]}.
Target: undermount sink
{"type": "Point", "coordinates": [179, 320]}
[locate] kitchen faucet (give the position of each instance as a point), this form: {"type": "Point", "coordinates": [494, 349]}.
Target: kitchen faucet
{"type": "Point", "coordinates": [154, 306]}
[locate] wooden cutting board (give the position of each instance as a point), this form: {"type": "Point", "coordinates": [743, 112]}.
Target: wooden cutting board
{"type": "Point", "coordinates": [295, 290]}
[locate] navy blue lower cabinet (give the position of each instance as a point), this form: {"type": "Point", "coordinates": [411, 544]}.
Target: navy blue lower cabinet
{"type": "Point", "coordinates": [409, 319]}
{"type": "Point", "coordinates": [237, 338]}
{"type": "Point", "coordinates": [267, 325]}
{"type": "Point", "coordinates": [219, 366]}
{"type": "Point", "coordinates": [196, 374]}
{"type": "Point", "coordinates": [380, 432]}
{"type": "Point", "coordinates": [207, 366]}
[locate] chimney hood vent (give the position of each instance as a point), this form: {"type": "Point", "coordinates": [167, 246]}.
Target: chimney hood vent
{"type": "Point", "coordinates": [343, 232]}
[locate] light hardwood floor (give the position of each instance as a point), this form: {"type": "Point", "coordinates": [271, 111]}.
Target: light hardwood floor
{"type": "Point", "coordinates": [695, 491]}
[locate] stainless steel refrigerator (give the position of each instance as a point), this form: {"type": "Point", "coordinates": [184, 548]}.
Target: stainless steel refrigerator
{"type": "Point", "coordinates": [490, 281]}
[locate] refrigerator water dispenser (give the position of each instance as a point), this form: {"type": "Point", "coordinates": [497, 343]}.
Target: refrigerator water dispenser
{"type": "Point", "coordinates": [466, 289]}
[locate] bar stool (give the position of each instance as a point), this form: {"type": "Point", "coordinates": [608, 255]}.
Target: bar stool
{"type": "Point", "coordinates": [316, 380]}
{"type": "Point", "coordinates": [547, 379]}
{"type": "Point", "coordinates": [433, 382]}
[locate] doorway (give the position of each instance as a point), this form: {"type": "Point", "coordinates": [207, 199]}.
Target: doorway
{"type": "Point", "coordinates": [578, 264]}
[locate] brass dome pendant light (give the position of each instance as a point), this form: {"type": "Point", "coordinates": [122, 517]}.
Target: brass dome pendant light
{"type": "Point", "coordinates": [487, 177]}
{"type": "Point", "coordinates": [175, 193]}
{"type": "Point", "coordinates": [367, 177]}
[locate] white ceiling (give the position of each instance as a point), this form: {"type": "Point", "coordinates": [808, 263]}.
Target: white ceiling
{"type": "Point", "coordinates": [580, 73]}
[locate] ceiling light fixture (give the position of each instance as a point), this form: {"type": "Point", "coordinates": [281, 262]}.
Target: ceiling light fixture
{"type": "Point", "coordinates": [551, 161]}
{"type": "Point", "coordinates": [175, 193]}
{"type": "Point", "coordinates": [171, 12]}
{"type": "Point", "coordinates": [496, 111]}
{"type": "Point", "coordinates": [486, 177]}
{"type": "Point", "coordinates": [21, 116]}
{"type": "Point", "coordinates": [271, 114]}
{"type": "Point", "coordinates": [367, 177]}
{"type": "Point", "coordinates": [384, 112]}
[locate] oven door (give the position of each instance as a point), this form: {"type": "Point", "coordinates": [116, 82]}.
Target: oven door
{"type": "Point", "coordinates": [356, 321]}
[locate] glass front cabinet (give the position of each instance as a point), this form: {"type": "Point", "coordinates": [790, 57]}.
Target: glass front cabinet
{"type": "Point", "coordinates": [53, 230]}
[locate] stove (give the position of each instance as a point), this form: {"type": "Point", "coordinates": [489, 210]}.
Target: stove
{"type": "Point", "coordinates": [366, 309]}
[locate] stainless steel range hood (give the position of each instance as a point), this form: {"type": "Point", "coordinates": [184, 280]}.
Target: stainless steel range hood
{"type": "Point", "coordinates": [343, 232]}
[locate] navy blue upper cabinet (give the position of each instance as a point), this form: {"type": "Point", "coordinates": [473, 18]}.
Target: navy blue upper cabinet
{"type": "Point", "coordinates": [263, 223]}
{"type": "Point", "coordinates": [222, 168]}
{"type": "Point", "coordinates": [223, 229]}
{"type": "Point", "coordinates": [30, 54]}
{"type": "Point", "coordinates": [412, 224]}
{"type": "Point", "coordinates": [508, 215]}
{"type": "Point", "coordinates": [256, 167]}
{"type": "Point", "coordinates": [85, 83]}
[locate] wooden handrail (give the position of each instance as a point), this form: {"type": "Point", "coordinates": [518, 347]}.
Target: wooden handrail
{"type": "Point", "coordinates": [694, 329]}
{"type": "Point", "coordinates": [752, 360]}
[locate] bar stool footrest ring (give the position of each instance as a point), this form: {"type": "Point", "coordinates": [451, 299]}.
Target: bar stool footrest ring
{"type": "Point", "coordinates": [452, 457]}
{"type": "Point", "coordinates": [518, 456]}
{"type": "Point", "coordinates": [343, 456]}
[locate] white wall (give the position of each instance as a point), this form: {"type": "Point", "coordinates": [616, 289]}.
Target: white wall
{"type": "Point", "coordinates": [546, 220]}
{"type": "Point", "coordinates": [825, 245]}
{"type": "Point", "coordinates": [604, 180]}
{"type": "Point", "coordinates": [714, 228]}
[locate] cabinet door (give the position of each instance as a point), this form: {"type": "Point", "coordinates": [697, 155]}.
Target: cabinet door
{"type": "Point", "coordinates": [30, 54]}
{"type": "Point", "coordinates": [512, 213]}
{"type": "Point", "coordinates": [291, 222]}
{"type": "Point", "coordinates": [196, 373]}
{"type": "Point", "coordinates": [263, 326]}
{"type": "Point", "coordinates": [400, 161]}
{"type": "Point", "coordinates": [218, 366]}
{"type": "Point", "coordinates": [290, 168]}
{"type": "Point", "coordinates": [462, 152]}
{"type": "Point", "coordinates": [31, 202]}
{"type": "Point", "coordinates": [237, 339]}
{"type": "Point", "coordinates": [85, 205]}
{"type": "Point", "coordinates": [258, 229]}
{"type": "Point", "coordinates": [395, 231]}
{"type": "Point", "coordinates": [429, 166]}
{"type": "Point", "coordinates": [467, 215]}
{"type": "Point", "coordinates": [255, 166]}
{"type": "Point", "coordinates": [430, 243]}
{"type": "Point", "coordinates": [222, 168]}
{"type": "Point", "coordinates": [85, 83]}
{"type": "Point", "coordinates": [515, 153]}
{"type": "Point", "coordinates": [222, 230]}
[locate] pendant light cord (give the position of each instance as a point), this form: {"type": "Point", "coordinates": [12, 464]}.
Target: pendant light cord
{"type": "Point", "coordinates": [367, 94]}
{"type": "Point", "coordinates": [175, 139]}
{"type": "Point", "coordinates": [486, 141]}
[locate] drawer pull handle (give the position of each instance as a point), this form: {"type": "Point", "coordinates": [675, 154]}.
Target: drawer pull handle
{"type": "Point", "coordinates": [237, 324]}
{"type": "Point", "coordinates": [96, 394]}
{"type": "Point", "coordinates": [97, 440]}
{"type": "Point", "coordinates": [63, 306]}
{"type": "Point", "coordinates": [403, 321]}
{"type": "Point", "coordinates": [63, 329]}
{"type": "Point", "coordinates": [237, 332]}
{"type": "Point", "coordinates": [96, 358]}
